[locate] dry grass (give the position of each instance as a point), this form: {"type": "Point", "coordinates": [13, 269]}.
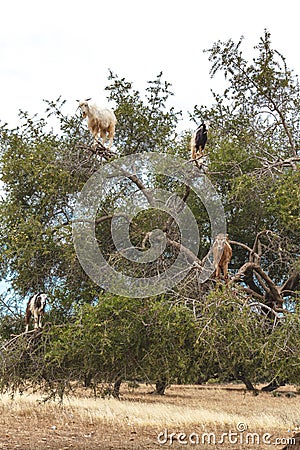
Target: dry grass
{"type": "Point", "coordinates": [134, 422]}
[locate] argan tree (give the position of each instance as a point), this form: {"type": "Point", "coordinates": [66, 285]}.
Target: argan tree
{"type": "Point", "coordinates": [253, 163]}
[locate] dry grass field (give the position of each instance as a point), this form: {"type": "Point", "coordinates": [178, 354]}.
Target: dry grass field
{"type": "Point", "coordinates": [198, 417]}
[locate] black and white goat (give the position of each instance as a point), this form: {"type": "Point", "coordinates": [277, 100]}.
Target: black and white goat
{"type": "Point", "coordinates": [198, 142]}
{"type": "Point", "coordinates": [36, 308]}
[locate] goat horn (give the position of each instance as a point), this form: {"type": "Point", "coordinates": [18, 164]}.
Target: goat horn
{"type": "Point", "coordinates": [78, 101]}
{"type": "Point", "coordinates": [87, 99]}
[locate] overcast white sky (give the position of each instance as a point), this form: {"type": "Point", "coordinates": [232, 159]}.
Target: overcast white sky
{"type": "Point", "coordinates": [65, 47]}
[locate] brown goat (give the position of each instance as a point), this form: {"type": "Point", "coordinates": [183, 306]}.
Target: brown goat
{"type": "Point", "coordinates": [222, 253]}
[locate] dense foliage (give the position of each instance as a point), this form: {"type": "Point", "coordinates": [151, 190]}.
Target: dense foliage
{"type": "Point", "coordinates": [247, 331]}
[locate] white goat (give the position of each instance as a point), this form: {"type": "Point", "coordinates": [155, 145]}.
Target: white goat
{"type": "Point", "coordinates": [100, 121]}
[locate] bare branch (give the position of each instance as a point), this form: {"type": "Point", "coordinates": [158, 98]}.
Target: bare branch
{"type": "Point", "coordinates": [272, 288]}
{"type": "Point", "coordinates": [101, 219]}
{"type": "Point", "coordinates": [263, 306]}
{"type": "Point", "coordinates": [171, 219]}
{"type": "Point", "coordinates": [253, 254]}
{"type": "Point", "coordinates": [291, 284]}
{"type": "Point", "coordinates": [108, 155]}
{"type": "Point", "coordinates": [190, 255]}
{"type": "Point", "coordinates": [253, 293]}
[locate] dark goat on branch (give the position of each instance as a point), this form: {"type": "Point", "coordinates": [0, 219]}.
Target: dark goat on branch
{"type": "Point", "coordinates": [198, 142]}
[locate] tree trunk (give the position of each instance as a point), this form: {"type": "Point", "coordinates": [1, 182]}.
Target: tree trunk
{"type": "Point", "coordinates": [247, 383]}
{"type": "Point", "coordinates": [87, 380]}
{"type": "Point", "coordinates": [272, 386]}
{"type": "Point", "coordinates": [116, 390]}
{"type": "Point", "coordinates": [160, 387]}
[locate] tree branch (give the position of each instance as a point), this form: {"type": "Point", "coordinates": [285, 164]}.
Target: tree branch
{"type": "Point", "coordinates": [107, 154]}
{"type": "Point", "coordinates": [291, 284]}
{"type": "Point", "coordinates": [256, 257]}
{"type": "Point", "coordinates": [171, 219]}
{"type": "Point", "coordinates": [273, 290]}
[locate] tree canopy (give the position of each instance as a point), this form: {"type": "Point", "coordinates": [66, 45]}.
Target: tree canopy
{"type": "Point", "coordinates": [195, 329]}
